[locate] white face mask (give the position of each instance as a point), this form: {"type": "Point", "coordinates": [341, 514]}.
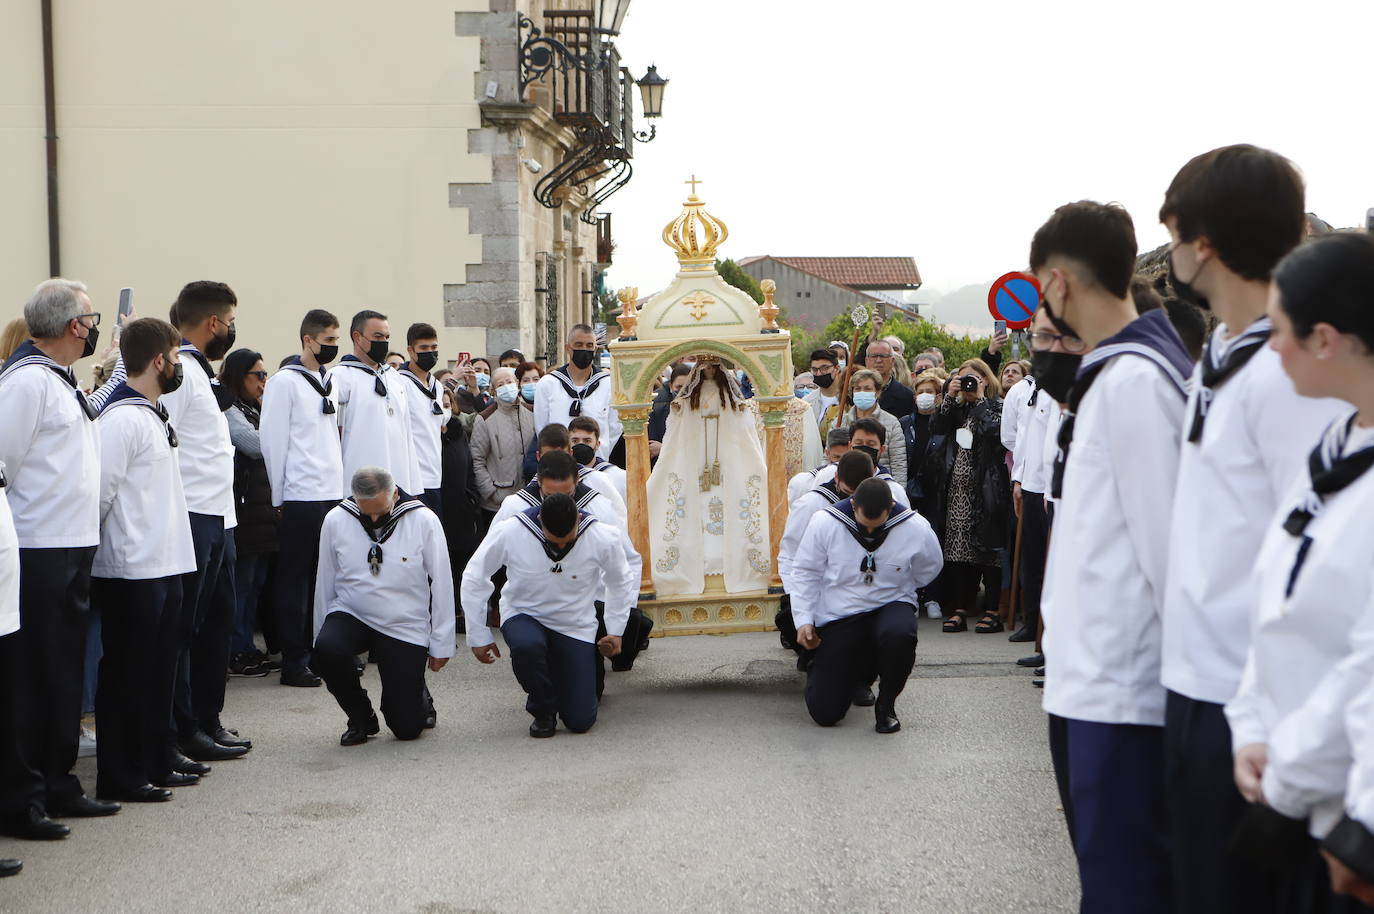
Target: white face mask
{"type": "Point", "coordinates": [925, 402]}
{"type": "Point", "coordinates": [507, 393]}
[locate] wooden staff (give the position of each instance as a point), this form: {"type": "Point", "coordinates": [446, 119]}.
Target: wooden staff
{"type": "Point", "coordinates": [1015, 571]}
{"type": "Point", "coordinates": [849, 370]}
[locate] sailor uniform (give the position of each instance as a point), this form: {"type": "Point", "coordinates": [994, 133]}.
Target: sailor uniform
{"type": "Point", "coordinates": [611, 472]}
{"type": "Point", "coordinates": [1025, 418]}
{"type": "Point", "coordinates": [1104, 592]}
{"type": "Point", "coordinates": [427, 420]}
{"type": "Point", "coordinates": [826, 474]}
{"type": "Point", "coordinates": [205, 454]}
{"type": "Point", "coordinates": [547, 616]}
{"type": "Point", "coordinates": [299, 431]}
{"type": "Point", "coordinates": [387, 589]}
{"type": "Point", "coordinates": [859, 591]}
{"type": "Point", "coordinates": [374, 415]}
{"type": "Point", "coordinates": [16, 776]}
{"type": "Point", "coordinates": [145, 548]}
{"type": "Point", "coordinates": [50, 450]}
{"type": "Point", "coordinates": [1232, 473]}
{"type": "Point", "coordinates": [558, 398]}
{"type": "Point", "coordinates": [1352, 840]}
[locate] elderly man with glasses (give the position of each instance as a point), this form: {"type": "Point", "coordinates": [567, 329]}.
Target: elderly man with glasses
{"type": "Point", "coordinates": [895, 398]}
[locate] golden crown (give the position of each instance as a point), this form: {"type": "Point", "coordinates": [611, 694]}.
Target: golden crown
{"type": "Point", "coordinates": [695, 234]}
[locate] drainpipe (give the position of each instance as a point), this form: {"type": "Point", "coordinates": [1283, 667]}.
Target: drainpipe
{"type": "Point", "coordinates": [50, 139]}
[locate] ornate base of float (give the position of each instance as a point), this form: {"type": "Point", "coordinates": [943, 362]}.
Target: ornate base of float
{"type": "Point", "coordinates": [714, 612]}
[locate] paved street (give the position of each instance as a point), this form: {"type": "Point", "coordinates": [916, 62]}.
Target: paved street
{"type": "Point", "coordinates": [703, 787]}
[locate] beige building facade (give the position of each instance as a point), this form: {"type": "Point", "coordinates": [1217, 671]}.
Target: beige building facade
{"type": "Point", "coordinates": [340, 155]}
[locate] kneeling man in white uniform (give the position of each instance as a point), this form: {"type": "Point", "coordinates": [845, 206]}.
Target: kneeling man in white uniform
{"type": "Point", "coordinates": [385, 587]}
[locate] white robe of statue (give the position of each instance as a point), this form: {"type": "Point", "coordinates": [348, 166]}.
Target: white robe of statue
{"type": "Point", "coordinates": [708, 494]}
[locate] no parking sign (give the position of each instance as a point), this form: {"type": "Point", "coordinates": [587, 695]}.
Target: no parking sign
{"type": "Point", "coordinates": [1014, 298]}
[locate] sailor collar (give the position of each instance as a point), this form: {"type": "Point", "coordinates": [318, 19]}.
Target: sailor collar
{"type": "Point", "coordinates": [529, 518]}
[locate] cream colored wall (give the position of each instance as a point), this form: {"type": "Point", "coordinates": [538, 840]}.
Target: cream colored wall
{"type": "Point", "coordinates": [301, 152]}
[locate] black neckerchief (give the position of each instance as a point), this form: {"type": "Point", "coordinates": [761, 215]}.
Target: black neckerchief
{"type": "Point", "coordinates": [322, 387]}
{"type": "Point", "coordinates": [869, 542]}
{"type": "Point", "coordinates": [1255, 338]}
{"type": "Point", "coordinates": [431, 391]}
{"type": "Point", "coordinates": [1330, 472]}
{"type": "Point", "coordinates": [352, 361]}
{"type": "Point", "coordinates": [530, 519]}
{"type": "Point", "coordinates": [224, 397]}
{"type": "Point", "coordinates": [380, 533]}
{"type": "Point", "coordinates": [1035, 391]}
{"type": "Point", "coordinates": [1149, 336]}
{"type": "Point", "coordinates": [124, 395]}
{"type": "Point", "coordinates": [830, 492]}
{"type": "Point", "coordinates": [532, 495]}
{"type": "Point", "coordinates": [593, 382]}
{"type": "Point", "coordinates": [29, 354]}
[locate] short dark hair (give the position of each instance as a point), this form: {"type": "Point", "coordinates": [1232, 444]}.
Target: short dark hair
{"type": "Point", "coordinates": [558, 514]}
{"type": "Point", "coordinates": [580, 328]}
{"type": "Point", "coordinates": [361, 318]}
{"type": "Point", "coordinates": [678, 372]}
{"type": "Point", "coordinates": [854, 467]}
{"type": "Point", "coordinates": [557, 465]}
{"type": "Point", "coordinates": [236, 366]}
{"type": "Point", "coordinates": [1247, 201]}
{"type": "Point", "coordinates": [872, 426]}
{"type": "Point", "coordinates": [418, 332]}
{"type": "Point", "coordinates": [1100, 236]}
{"type": "Point", "coordinates": [511, 354]}
{"type": "Point", "coordinates": [586, 424]}
{"type": "Point", "coordinates": [554, 435]}
{"type": "Point", "coordinates": [144, 340]}
{"type": "Point", "coordinates": [872, 497]}
{"type": "Point", "coordinates": [1327, 281]}
{"type": "Point", "coordinates": [483, 359]}
{"type": "Point", "coordinates": [825, 355]}
{"type": "Point", "coordinates": [317, 321]}
{"type": "Point", "coordinates": [198, 301]}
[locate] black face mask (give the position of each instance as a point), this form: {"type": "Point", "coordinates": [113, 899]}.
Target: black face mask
{"type": "Point", "coordinates": [426, 360]}
{"type": "Point", "coordinates": [326, 354]}
{"type": "Point", "coordinates": [582, 358]}
{"type": "Point", "coordinates": [170, 382]}
{"type": "Point", "coordinates": [88, 347]}
{"type": "Point", "coordinates": [583, 454]}
{"type": "Point", "coordinates": [219, 347]}
{"type": "Point", "coordinates": [377, 350]}
{"type": "Point", "coordinates": [1055, 372]}
{"type": "Point", "coordinates": [1184, 290]}
{"type": "Point", "coordinates": [823, 380]}
{"type": "Point", "coordinates": [872, 452]}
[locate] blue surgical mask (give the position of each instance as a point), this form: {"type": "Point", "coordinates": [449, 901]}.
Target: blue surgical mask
{"type": "Point", "coordinates": [483, 381]}
{"type": "Point", "coordinates": [739, 375]}
{"type": "Point", "coordinates": [864, 399]}
{"type": "Point", "coordinates": [801, 392]}
{"type": "Point", "coordinates": [527, 391]}
{"type": "Point", "coordinates": [507, 393]}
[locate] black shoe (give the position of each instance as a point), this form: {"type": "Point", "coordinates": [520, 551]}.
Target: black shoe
{"type": "Point", "coordinates": [203, 749]}
{"type": "Point", "coordinates": [885, 718]}
{"type": "Point", "coordinates": [1038, 683]}
{"type": "Point", "coordinates": [145, 793]}
{"type": "Point", "coordinates": [1040, 671]}
{"type": "Point", "coordinates": [10, 867]}
{"type": "Point", "coordinates": [1023, 634]}
{"type": "Point", "coordinates": [431, 715]}
{"type": "Point", "coordinates": [356, 736]}
{"type": "Point", "coordinates": [787, 643]}
{"type": "Point", "coordinates": [177, 779]}
{"type": "Point", "coordinates": [1033, 660]}
{"type": "Point", "coordinates": [245, 666]}
{"type": "Point", "coordinates": [183, 765]}
{"type": "Point", "coordinates": [804, 661]}
{"type": "Point", "coordinates": [230, 738]}
{"type": "Point", "coordinates": [646, 625]}
{"type": "Point", "coordinates": [544, 727]}
{"type": "Point", "coordinates": [34, 826]}
{"type": "Point", "coordinates": [303, 679]}
{"type": "Point", "coordinates": [863, 697]}
{"type": "Point", "coordinates": [83, 807]}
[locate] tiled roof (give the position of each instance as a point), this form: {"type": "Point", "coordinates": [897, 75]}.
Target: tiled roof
{"type": "Point", "coordinates": [856, 272]}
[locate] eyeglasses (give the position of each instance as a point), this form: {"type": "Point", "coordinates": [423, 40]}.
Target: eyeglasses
{"type": "Point", "coordinates": [94, 316]}
{"type": "Point", "coordinates": [261, 375]}
{"type": "Point", "coordinates": [1044, 340]}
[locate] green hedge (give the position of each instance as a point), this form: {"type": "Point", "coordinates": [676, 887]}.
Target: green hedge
{"type": "Point", "coordinates": [918, 335]}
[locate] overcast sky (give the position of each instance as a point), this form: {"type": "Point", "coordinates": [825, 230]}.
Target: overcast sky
{"type": "Point", "coordinates": [948, 131]}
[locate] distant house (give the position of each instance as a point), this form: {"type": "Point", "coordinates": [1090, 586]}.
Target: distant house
{"type": "Point", "coordinates": [813, 290]}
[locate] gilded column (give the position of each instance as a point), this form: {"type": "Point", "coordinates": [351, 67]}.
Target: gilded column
{"type": "Point", "coordinates": [634, 421]}
{"type": "Point", "coordinates": [774, 415]}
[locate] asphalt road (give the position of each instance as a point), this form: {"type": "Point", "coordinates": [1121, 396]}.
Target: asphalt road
{"type": "Point", "coordinates": [703, 787]}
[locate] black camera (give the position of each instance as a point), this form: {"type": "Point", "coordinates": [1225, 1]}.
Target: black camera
{"type": "Point", "coordinates": [968, 383]}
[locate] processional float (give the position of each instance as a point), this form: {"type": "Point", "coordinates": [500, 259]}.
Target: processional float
{"type": "Point", "coordinates": [699, 314]}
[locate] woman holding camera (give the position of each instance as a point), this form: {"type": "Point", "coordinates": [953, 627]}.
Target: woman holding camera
{"type": "Point", "coordinates": [970, 494]}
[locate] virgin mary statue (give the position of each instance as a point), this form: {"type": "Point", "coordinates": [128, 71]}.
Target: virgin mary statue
{"type": "Point", "coordinates": [708, 511]}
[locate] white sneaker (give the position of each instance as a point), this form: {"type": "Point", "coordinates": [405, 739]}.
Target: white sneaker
{"type": "Point", "coordinates": [87, 747]}
{"type": "Point", "coordinates": [933, 610]}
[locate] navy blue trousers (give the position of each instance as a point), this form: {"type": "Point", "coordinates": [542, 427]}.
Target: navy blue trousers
{"type": "Point", "coordinates": [400, 665]}
{"type": "Point", "coordinates": [1118, 814]}
{"type": "Point", "coordinates": [297, 563]}
{"type": "Point", "coordinates": [557, 672]}
{"type": "Point", "coordinates": [205, 628]}
{"type": "Point", "coordinates": [854, 650]}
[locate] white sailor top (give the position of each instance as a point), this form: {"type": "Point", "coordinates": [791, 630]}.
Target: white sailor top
{"type": "Point", "coordinates": [558, 398]}
{"type": "Point", "coordinates": [394, 578]}
{"type": "Point", "coordinates": [798, 519]}
{"type": "Point", "coordinates": [614, 474]}
{"type": "Point", "coordinates": [427, 419]}
{"type": "Point", "coordinates": [145, 531]}
{"type": "Point", "coordinates": [827, 474]}
{"type": "Point", "coordinates": [374, 416]}
{"type": "Point", "coordinates": [299, 430]}
{"type": "Point", "coordinates": [837, 572]}
{"type": "Point", "coordinates": [204, 449]}
{"type": "Point", "coordinates": [557, 589]}
{"type": "Point", "coordinates": [9, 565]}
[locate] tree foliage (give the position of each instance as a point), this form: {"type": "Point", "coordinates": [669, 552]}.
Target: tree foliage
{"type": "Point", "coordinates": [735, 276]}
{"type": "Point", "coordinates": [918, 335]}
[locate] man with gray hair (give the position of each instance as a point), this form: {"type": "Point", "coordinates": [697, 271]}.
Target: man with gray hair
{"type": "Point", "coordinates": [50, 452]}
{"type": "Point", "coordinates": [385, 586]}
